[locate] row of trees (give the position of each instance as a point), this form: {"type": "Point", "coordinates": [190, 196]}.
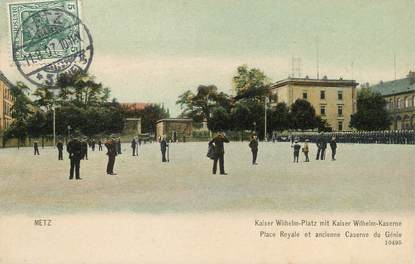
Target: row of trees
{"type": "Point", "coordinates": [81, 105]}
{"type": "Point", "coordinates": [246, 110]}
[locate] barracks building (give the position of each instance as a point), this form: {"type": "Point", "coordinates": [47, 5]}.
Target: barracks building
{"type": "Point", "coordinates": [400, 97]}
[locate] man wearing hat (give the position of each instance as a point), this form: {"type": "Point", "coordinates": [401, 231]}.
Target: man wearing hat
{"type": "Point", "coordinates": [296, 148]}
{"type": "Point", "coordinates": [219, 151]}
{"type": "Point", "coordinates": [74, 149]}
{"type": "Point", "coordinates": [163, 147]}
{"type": "Point", "coordinates": [333, 146]}
{"type": "Point", "coordinates": [253, 144]}
{"type": "Point", "coordinates": [110, 144]}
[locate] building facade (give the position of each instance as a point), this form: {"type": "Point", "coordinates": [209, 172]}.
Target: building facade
{"type": "Point", "coordinates": [174, 128]}
{"type": "Point", "coordinates": [333, 100]}
{"type": "Point", "coordinates": [6, 102]}
{"type": "Point", "coordinates": [400, 101]}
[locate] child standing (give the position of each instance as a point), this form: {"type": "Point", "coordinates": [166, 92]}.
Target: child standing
{"type": "Point", "coordinates": [305, 150]}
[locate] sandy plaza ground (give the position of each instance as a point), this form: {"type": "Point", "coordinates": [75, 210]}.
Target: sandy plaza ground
{"type": "Point", "coordinates": [363, 178]}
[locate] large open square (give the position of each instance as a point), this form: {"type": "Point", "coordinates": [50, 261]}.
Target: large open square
{"type": "Point", "coordinates": [363, 178]}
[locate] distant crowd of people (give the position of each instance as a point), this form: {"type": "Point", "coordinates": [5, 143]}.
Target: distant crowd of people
{"type": "Point", "coordinates": [357, 137]}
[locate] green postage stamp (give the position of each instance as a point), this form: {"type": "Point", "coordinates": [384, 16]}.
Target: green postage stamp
{"type": "Point", "coordinates": [49, 39]}
{"type": "Point", "coordinates": [35, 29]}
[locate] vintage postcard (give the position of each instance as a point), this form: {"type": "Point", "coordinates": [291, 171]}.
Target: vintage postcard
{"type": "Point", "coordinates": [178, 131]}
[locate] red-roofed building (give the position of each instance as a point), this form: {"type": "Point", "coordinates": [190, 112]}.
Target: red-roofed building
{"type": "Point", "coordinates": [134, 106]}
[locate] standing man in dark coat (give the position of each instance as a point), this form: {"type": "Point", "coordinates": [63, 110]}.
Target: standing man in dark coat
{"type": "Point", "coordinates": [110, 144]}
{"type": "Point", "coordinates": [333, 146]}
{"type": "Point", "coordinates": [100, 145]}
{"type": "Point", "coordinates": [84, 148]}
{"type": "Point", "coordinates": [253, 144]}
{"type": "Point", "coordinates": [133, 146]}
{"type": "Point", "coordinates": [220, 152]}
{"type": "Point", "coordinates": [163, 147]}
{"type": "Point", "coordinates": [74, 149]}
{"type": "Point", "coordinates": [36, 148]}
{"type": "Point", "coordinates": [60, 150]}
{"type": "Point", "coordinates": [319, 142]}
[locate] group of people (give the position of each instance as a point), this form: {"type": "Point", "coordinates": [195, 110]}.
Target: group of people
{"type": "Point", "coordinates": [78, 150]}
{"type": "Point", "coordinates": [216, 149]}
{"type": "Point", "coordinates": [357, 137]}
{"type": "Point", "coordinates": [321, 144]}
{"type": "Point", "coordinates": [78, 147]}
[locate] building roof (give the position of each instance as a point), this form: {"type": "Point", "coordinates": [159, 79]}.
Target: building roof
{"type": "Point", "coordinates": [394, 87]}
{"type": "Point", "coordinates": [175, 120]}
{"type": "Point", "coordinates": [135, 106]}
{"type": "Point", "coordinates": [5, 80]}
{"type": "Point", "coordinates": [316, 82]}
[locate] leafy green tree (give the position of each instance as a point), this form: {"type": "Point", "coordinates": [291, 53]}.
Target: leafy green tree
{"type": "Point", "coordinates": [45, 98]}
{"type": "Point", "coordinates": [280, 118]}
{"type": "Point", "coordinates": [323, 125]}
{"type": "Point", "coordinates": [250, 83]}
{"type": "Point", "coordinates": [242, 118]}
{"type": "Point", "coordinates": [303, 115]}
{"type": "Point", "coordinates": [199, 106]}
{"type": "Point", "coordinates": [371, 112]}
{"type": "Point", "coordinates": [220, 119]}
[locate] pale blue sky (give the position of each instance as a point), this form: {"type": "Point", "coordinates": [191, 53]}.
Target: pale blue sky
{"type": "Point", "coordinates": [153, 50]}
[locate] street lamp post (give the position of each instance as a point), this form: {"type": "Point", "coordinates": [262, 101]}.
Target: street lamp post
{"type": "Point", "coordinates": [265, 125]}
{"type": "Point", "coordinates": [54, 125]}
{"type": "Point", "coordinates": [69, 131]}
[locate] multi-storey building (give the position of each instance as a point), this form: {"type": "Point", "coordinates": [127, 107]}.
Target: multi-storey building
{"type": "Point", "coordinates": [400, 97]}
{"type": "Point", "coordinates": [6, 102]}
{"type": "Point", "coordinates": [333, 100]}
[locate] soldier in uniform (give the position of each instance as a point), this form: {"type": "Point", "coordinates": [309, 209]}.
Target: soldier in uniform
{"type": "Point", "coordinates": [333, 146]}
{"type": "Point", "coordinates": [84, 148]}
{"type": "Point", "coordinates": [220, 152]}
{"type": "Point", "coordinates": [133, 145]}
{"type": "Point", "coordinates": [253, 144]}
{"type": "Point", "coordinates": [319, 142]}
{"type": "Point", "coordinates": [100, 145]}
{"type": "Point", "coordinates": [110, 144]}
{"type": "Point", "coordinates": [296, 148]}
{"type": "Point", "coordinates": [163, 147]}
{"type": "Point", "coordinates": [36, 148]}
{"type": "Point", "coordinates": [74, 149]}
{"type": "Point", "coordinates": [59, 146]}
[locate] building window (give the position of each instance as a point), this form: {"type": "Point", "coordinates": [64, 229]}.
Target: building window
{"type": "Point", "coordinates": [322, 110]}
{"type": "Point", "coordinates": [399, 103]}
{"type": "Point", "coordinates": [340, 110]}
{"type": "Point", "coordinates": [322, 95]}
{"type": "Point", "coordinates": [413, 101]}
{"type": "Point", "coordinates": [305, 95]}
{"type": "Point", "coordinates": [406, 102]}
{"type": "Point", "coordinates": [340, 127]}
{"type": "Point", "coordinates": [340, 95]}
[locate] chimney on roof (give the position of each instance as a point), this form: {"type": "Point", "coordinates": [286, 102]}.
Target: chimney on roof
{"type": "Point", "coordinates": [307, 77]}
{"type": "Point", "coordinates": [325, 77]}
{"type": "Point", "coordinates": [411, 77]}
{"type": "Point", "coordinates": [381, 82]}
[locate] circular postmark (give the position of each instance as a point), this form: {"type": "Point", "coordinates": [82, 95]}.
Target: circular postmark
{"type": "Point", "coordinates": [49, 43]}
